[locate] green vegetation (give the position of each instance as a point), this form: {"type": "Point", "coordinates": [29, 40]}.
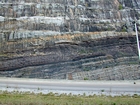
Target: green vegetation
{"type": "Point", "coordinates": [18, 98]}
{"type": "Point", "coordinates": [86, 69]}
{"type": "Point", "coordinates": [120, 7]}
{"type": "Point", "coordinates": [123, 29]}
{"type": "Point", "coordinates": [109, 29]}
{"type": "Point", "coordinates": [86, 78]}
{"type": "Point", "coordinates": [102, 90]}
{"type": "Point", "coordinates": [82, 51]}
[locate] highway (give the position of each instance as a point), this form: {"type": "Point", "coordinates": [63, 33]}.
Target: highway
{"type": "Point", "coordinates": [68, 86]}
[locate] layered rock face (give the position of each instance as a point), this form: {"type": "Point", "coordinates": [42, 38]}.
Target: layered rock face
{"type": "Point", "coordinates": [69, 39]}
{"type": "Point", "coordinates": [68, 15]}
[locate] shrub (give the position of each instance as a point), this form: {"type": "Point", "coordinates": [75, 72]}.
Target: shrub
{"type": "Point", "coordinates": [123, 29]}
{"type": "Point", "coordinates": [120, 7]}
{"type": "Point", "coordinates": [85, 78]}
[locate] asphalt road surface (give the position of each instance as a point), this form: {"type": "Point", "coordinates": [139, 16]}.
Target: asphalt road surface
{"type": "Point", "coordinates": [74, 87]}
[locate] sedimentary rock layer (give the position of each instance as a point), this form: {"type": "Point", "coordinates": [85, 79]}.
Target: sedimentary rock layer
{"type": "Point", "coordinates": [67, 47]}
{"type": "Point", "coordinates": [64, 38]}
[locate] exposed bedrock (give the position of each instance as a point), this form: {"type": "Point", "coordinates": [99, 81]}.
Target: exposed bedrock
{"type": "Point", "coordinates": [68, 50]}
{"type": "Point", "coordinates": [69, 15]}
{"type": "Point", "coordinates": [69, 39]}
{"type": "Point", "coordinates": [77, 60]}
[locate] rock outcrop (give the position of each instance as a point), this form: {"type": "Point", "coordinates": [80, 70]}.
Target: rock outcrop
{"type": "Point", "coordinates": [66, 38]}
{"type": "Point", "coordinates": [69, 15]}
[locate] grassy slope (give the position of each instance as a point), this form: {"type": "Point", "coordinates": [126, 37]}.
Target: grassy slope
{"type": "Point", "coordinates": [16, 98]}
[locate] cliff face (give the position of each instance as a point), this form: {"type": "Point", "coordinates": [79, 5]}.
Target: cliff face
{"type": "Point", "coordinates": [68, 15]}
{"type": "Point", "coordinates": [77, 34]}
{"type": "Point", "coordinates": [26, 23]}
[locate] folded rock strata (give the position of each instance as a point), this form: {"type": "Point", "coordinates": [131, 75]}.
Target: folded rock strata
{"type": "Point", "coordinates": [69, 39]}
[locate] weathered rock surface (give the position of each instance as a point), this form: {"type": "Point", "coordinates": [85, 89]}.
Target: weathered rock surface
{"type": "Point", "coordinates": [67, 59]}
{"type": "Point", "coordinates": [73, 39]}
{"type": "Point", "coordinates": [69, 15]}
